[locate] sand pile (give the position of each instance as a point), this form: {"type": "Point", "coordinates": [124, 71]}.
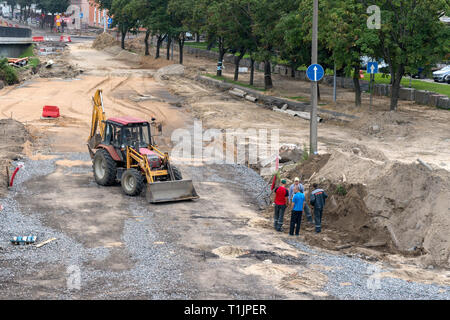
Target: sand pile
{"type": "Point", "coordinates": [136, 44]}
{"type": "Point", "coordinates": [128, 56]}
{"type": "Point", "coordinates": [13, 139]}
{"type": "Point", "coordinates": [148, 62]}
{"type": "Point", "coordinates": [103, 41]}
{"type": "Point", "coordinates": [171, 70]}
{"type": "Point", "coordinates": [399, 124]}
{"type": "Point", "coordinates": [403, 207]}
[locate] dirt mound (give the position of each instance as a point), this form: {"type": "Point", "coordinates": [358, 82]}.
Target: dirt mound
{"type": "Point", "coordinates": [14, 138]}
{"type": "Point", "coordinates": [380, 204]}
{"type": "Point", "coordinates": [171, 70]}
{"type": "Point", "coordinates": [148, 62]}
{"type": "Point", "coordinates": [399, 124]}
{"type": "Point", "coordinates": [129, 57]}
{"type": "Point", "coordinates": [60, 69]}
{"type": "Point", "coordinates": [404, 205]}
{"type": "Point", "coordinates": [363, 151]}
{"type": "Point", "coordinates": [136, 44]}
{"type": "Point", "coordinates": [307, 168]}
{"type": "Point", "coordinates": [103, 41]}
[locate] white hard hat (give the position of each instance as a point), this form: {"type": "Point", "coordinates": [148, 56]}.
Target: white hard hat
{"type": "Point", "coordinates": [297, 179]}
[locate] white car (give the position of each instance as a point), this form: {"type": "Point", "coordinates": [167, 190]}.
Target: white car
{"type": "Point", "coordinates": [442, 75]}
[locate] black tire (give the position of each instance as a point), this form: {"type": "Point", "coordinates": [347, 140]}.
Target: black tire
{"type": "Point", "coordinates": [105, 168]}
{"type": "Point", "coordinates": [177, 173]}
{"type": "Point", "coordinates": [132, 182]}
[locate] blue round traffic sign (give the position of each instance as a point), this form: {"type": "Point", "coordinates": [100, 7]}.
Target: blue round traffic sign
{"type": "Point", "coordinates": [315, 72]}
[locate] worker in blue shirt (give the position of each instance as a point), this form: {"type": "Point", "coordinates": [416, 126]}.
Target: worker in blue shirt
{"type": "Point", "coordinates": [302, 189]}
{"type": "Point", "coordinates": [297, 211]}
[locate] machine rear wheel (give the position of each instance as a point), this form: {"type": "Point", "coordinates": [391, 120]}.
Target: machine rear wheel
{"type": "Point", "coordinates": [132, 182]}
{"type": "Point", "coordinates": [105, 168]}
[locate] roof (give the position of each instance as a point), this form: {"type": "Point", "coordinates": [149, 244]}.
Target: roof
{"type": "Point", "coordinates": [127, 120]}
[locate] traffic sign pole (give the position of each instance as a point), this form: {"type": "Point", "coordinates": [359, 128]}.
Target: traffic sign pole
{"type": "Point", "coordinates": [334, 84]}
{"type": "Point", "coordinates": [372, 68]}
{"type": "Point", "coordinates": [371, 90]}
{"type": "Point", "coordinates": [313, 120]}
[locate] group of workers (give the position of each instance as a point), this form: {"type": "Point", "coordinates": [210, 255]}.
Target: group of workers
{"type": "Point", "coordinates": [295, 198]}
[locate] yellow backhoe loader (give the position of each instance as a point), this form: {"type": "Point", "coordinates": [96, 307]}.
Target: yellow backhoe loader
{"type": "Point", "coordinates": [123, 149]}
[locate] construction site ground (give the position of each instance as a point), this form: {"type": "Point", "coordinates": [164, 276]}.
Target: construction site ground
{"type": "Point", "coordinates": [221, 246]}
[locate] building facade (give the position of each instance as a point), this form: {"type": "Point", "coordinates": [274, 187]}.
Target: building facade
{"type": "Point", "coordinates": [90, 13]}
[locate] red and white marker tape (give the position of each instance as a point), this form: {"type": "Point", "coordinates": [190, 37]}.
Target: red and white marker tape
{"type": "Point", "coordinates": [19, 166]}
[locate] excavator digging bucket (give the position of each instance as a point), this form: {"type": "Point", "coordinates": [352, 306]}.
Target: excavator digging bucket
{"type": "Point", "coordinates": [170, 191]}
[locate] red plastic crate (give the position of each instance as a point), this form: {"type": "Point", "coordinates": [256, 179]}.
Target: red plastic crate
{"type": "Point", "coordinates": [50, 112]}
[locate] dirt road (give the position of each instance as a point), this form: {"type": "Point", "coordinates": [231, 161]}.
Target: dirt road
{"type": "Point", "coordinates": [111, 246]}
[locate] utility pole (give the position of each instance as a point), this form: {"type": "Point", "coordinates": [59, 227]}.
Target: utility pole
{"type": "Point", "coordinates": [313, 120]}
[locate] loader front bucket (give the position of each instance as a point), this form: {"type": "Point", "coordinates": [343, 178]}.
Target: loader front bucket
{"type": "Point", "coordinates": [170, 191]}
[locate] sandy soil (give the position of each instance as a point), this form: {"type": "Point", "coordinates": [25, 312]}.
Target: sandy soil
{"type": "Point", "coordinates": [223, 237]}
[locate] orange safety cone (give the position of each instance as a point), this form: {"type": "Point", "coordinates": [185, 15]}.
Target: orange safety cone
{"type": "Point", "coordinates": [68, 39]}
{"type": "Point", "coordinates": [61, 39]}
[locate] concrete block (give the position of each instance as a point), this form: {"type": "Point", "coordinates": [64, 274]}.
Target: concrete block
{"type": "Point", "coordinates": [388, 90]}
{"type": "Point", "coordinates": [348, 83]}
{"type": "Point", "coordinates": [422, 97]}
{"type": "Point", "coordinates": [407, 94]}
{"type": "Point", "coordinates": [288, 71]}
{"type": "Point", "coordinates": [378, 89]}
{"type": "Point", "coordinates": [300, 75]}
{"type": "Point", "coordinates": [444, 102]}
{"type": "Point", "coordinates": [434, 98]}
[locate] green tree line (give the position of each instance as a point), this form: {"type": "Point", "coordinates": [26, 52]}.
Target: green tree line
{"type": "Point", "coordinates": [410, 34]}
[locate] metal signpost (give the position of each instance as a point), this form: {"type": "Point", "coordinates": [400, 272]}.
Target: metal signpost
{"type": "Point", "coordinates": [372, 69]}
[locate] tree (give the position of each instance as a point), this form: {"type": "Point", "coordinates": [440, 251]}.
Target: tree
{"type": "Point", "coordinates": [180, 14]}
{"type": "Point", "coordinates": [291, 39]}
{"type": "Point", "coordinates": [123, 18]}
{"type": "Point", "coordinates": [105, 4]}
{"type": "Point", "coordinates": [53, 6]}
{"type": "Point", "coordinates": [12, 4]}
{"type": "Point", "coordinates": [240, 34]}
{"type": "Point", "coordinates": [411, 36]}
{"type": "Point", "coordinates": [265, 16]}
{"type": "Point", "coordinates": [345, 33]}
{"type": "Point", "coordinates": [219, 27]}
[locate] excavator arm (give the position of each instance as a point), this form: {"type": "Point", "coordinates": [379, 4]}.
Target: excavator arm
{"type": "Point", "coordinates": [98, 121]}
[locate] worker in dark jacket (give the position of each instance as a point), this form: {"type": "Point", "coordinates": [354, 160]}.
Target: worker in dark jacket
{"type": "Point", "coordinates": [317, 199]}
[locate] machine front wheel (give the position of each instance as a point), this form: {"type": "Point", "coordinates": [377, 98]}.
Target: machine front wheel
{"type": "Point", "coordinates": [132, 182]}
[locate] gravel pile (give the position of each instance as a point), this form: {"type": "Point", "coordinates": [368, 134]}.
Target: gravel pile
{"type": "Point", "coordinates": [250, 181]}
{"type": "Point", "coordinates": [365, 284]}
{"type": "Point", "coordinates": [156, 272]}
{"type": "Point", "coordinates": [158, 268]}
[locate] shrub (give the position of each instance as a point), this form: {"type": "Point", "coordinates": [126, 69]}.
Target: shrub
{"type": "Point", "coordinates": [340, 190]}
{"type": "Point", "coordinates": [7, 73]}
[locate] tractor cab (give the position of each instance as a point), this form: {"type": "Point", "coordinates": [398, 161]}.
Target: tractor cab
{"type": "Point", "coordinates": [126, 132]}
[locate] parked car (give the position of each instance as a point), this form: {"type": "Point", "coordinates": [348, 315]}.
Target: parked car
{"type": "Point", "coordinates": [420, 74]}
{"type": "Point", "coordinates": [442, 74]}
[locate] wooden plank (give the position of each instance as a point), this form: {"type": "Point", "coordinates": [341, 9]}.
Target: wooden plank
{"type": "Point", "coordinates": [45, 242]}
